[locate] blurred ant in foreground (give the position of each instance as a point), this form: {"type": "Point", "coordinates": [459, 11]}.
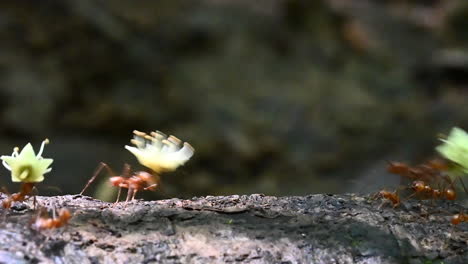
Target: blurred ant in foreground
{"type": "Point", "coordinates": [46, 222]}
{"type": "Point", "coordinates": [140, 180]}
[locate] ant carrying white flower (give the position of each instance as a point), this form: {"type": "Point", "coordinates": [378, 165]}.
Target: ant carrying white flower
{"type": "Point", "coordinates": [156, 151]}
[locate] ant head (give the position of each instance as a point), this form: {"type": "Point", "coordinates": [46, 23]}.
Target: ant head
{"type": "Point", "coordinates": [418, 186]}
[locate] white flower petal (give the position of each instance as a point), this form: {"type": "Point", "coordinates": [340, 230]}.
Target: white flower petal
{"type": "Point", "coordinates": [160, 152]}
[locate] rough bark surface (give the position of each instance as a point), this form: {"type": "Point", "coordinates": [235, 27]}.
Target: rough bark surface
{"type": "Point", "coordinates": [238, 229]}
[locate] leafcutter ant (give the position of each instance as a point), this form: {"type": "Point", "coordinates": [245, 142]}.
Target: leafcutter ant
{"type": "Point", "coordinates": [46, 222]}
{"type": "Point", "coordinates": [420, 187]}
{"type": "Point", "coordinates": [393, 197]}
{"type": "Point", "coordinates": [138, 181]}
{"type": "Point", "coordinates": [429, 171]}
{"type": "Point", "coordinates": [156, 151]}
{"type": "Point", "coordinates": [24, 194]}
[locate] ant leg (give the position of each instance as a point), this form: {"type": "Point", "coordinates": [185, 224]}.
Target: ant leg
{"type": "Point", "coordinates": [462, 184]}
{"type": "Point", "coordinates": [134, 194]}
{"type": "Point", "coordinates": [101, 166]}
{"type": "Point", "coordinates": [118, 195]}
{"type": "Point", "coordinates": [129, 194]}
{"type": "Point", "coordinates": [151, 187]}
{"type": "Point", "coordinates": [34, 189]}
{"type": "Point", "coordinates": [381, 205]}
{"type": "Point", "coordinates": [409, 196]}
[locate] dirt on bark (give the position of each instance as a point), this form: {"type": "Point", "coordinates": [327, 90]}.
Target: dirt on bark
{"type": "Point", "coordinates": [238, 229]}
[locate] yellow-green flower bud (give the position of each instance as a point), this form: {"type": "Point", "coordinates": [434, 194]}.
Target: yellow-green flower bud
{"type": "Point", "coordinates": [26, 166]}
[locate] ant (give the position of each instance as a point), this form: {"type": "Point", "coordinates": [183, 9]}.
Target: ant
{"type": "Point", "coordinates": [428, 171]}
{"type": "Point", "coordinates": [64, 216]}
{"type": "Point", "coordinates": [458, 218]}
{"type": "Point", "coordinates": [393, 197]}
{"type": "Point", "coordinates": [420, 187]}
{"type": "Point", "coordinates": [140, 180]}
{"type": "Point", "coordinates": [26, 190]}
{"type": "Point", "coordinates": [433, 171]}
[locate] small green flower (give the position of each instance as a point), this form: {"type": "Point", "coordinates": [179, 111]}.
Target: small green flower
{"type": "Point", "coordinates": [455, 148]}
{"type": "Point", "coordinates": [27, 166]}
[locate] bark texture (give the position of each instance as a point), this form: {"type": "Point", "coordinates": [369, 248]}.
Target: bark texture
{"type": "Point", "coordinates": [238, 229]}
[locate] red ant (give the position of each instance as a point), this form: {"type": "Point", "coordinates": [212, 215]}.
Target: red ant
{"type": "Point", "coordinates": [428, 171]}
{"type": "Point", "coordinates": [432, 171]}
{"type": "Point", "coordinates": [458, 218]}
{"type": "Point", "coordinates": [140, 180]}
{"type": "Point", "coordinates": [26, 190]}
{"type": "Point", "coordinates": [64, 216]}
{"type": "Point", "coordinates": [393, 197]}
{"type": "Point", "coordinates": [420, 187]}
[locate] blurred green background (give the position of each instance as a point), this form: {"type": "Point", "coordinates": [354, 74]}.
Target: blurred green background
{"type": "Point", "coordinates": [282, 97]}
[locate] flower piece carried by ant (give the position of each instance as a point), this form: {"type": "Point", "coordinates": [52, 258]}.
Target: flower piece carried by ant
{"type": "Point", "coordinates": [158, 152]}
{"type": "Point", "coordinates": [46, 222]}
{"type": "Point", "coordinates": [393, 197]}
{"type": "Point", "coordinates": [458, 218]}
{"type": "Point", "coordinates": [455, 147]}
